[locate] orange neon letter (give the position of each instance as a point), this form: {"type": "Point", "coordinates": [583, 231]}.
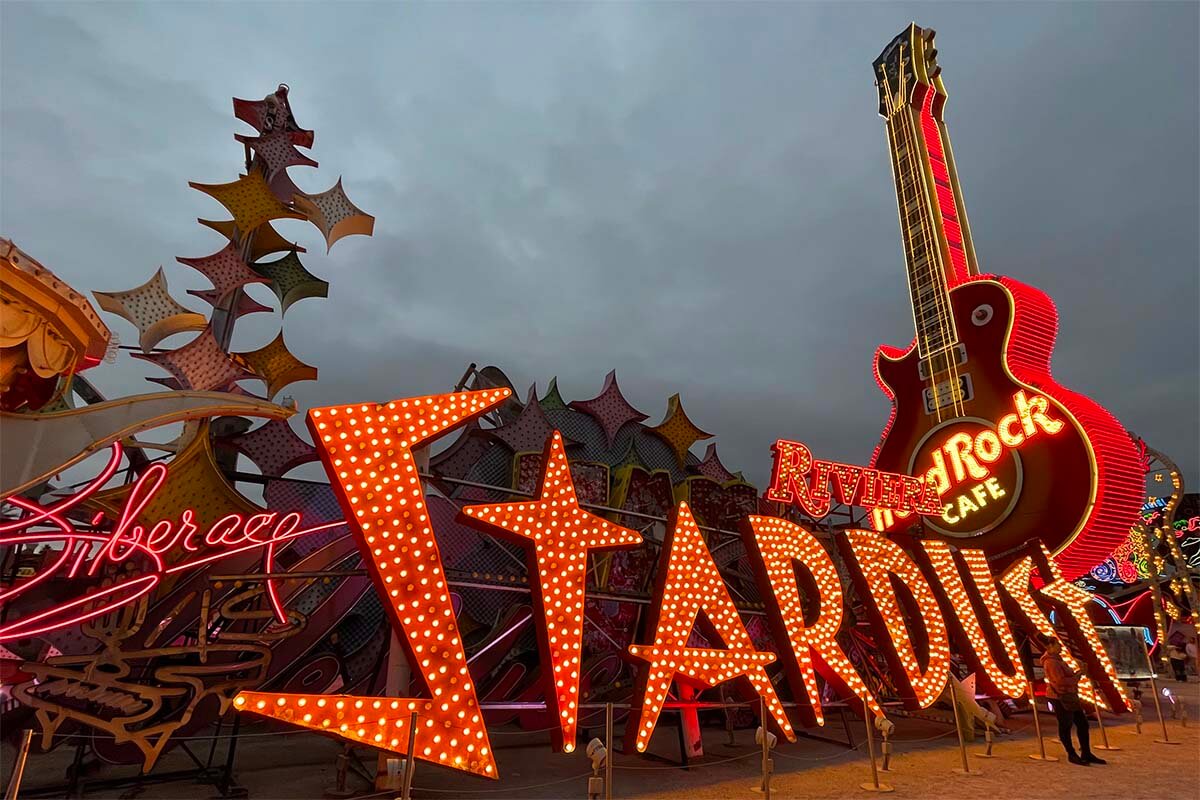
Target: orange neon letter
{"type": "Point", "coordinates": [367, 451]}
{"type": "Point", "coordinates": [687, 585]}
{"type": "Point", "coordinates": [963, 604]}
{"type": "Point", "coordinates": [774, 547]}
{"type": "Point", "coordinates": [872, 559]}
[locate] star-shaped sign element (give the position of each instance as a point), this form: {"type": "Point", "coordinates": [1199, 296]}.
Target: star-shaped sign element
{"type": "Point", "coordinates": [678, 431]}
{"type": "Point", "coordinates": [367, 451]}
{"type": "Point", "coordinates": [561, 534]}
{"type": "Point", "coordinates": [610, 408]}
{"type": "Point", "coordinates": [689, 585]}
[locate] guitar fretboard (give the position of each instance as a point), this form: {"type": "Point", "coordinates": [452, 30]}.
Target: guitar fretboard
{"type": "Point", "coordinates": [937, 241]}
{"type": "Point", "coordinates": [927, 285]}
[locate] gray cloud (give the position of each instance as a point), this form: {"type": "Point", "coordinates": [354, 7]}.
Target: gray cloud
{"type": "Point", "coordinates": [695, 194]}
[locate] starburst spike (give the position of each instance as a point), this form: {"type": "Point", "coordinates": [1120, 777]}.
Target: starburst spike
{"type": "Point", "coordinates": [712, 467]}
{"type": "Point", "coordinates": [266, 241]}
{"type": "Point", "coordinates": [274, 447]}
{"type": "Point", "coordinates": [290, 281]}
{"type": "Point", "coordinates": [249, 200]}
{"type": "Point", "coordinates": [678, 431]}
{"type": "Point", "coordinates": [277, 366]}
{"type": "Point", "coordinates": [334, 215]}
{"type": "Point", "coordinates": [152, 311]}
{"type": "Point", "coordinates": [610, 408]}
{"type": "Point", "coordinates": [225, 268]}
{"type": "Point", "coordinates": [200, 364]}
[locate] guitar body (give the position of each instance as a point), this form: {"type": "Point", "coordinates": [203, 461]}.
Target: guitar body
{"type": "Point", "coordinates": [1012, 468]}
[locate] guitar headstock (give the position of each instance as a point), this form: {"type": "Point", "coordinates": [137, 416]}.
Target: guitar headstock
{"type": "Point", "coordinates": [908, 62]}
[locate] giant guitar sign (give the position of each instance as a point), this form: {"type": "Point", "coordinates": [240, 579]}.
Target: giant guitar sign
{"type": "Point", "coordinates": [1016, 456]}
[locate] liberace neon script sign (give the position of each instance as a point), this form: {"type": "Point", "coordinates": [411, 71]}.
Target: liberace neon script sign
{"type": "Point", "coordinates": [135, 557]}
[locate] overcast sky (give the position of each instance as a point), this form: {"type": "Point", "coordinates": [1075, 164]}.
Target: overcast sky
{"type": "Point", "coordinates": [697, 195]}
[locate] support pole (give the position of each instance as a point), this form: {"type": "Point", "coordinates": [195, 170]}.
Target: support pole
{"type": "Point", "coordinates": [766, 748]}
{"type": "Point", "coordinates": [409, 763]}
{"type": "Point", "coordinates": [14, 782]}
{"type": "Point", "coordinates": [962, 742]}
{"type": "Point", "coordinates": [1040, 755]}
{"type": "Point", "coordinates": [874, 785]}
{"type": "Point", "coordinates": [1103, 732]}
{"type": "Point", "coordinates": [1157, 706]}
{"type": "Point", "coordinates": [608, 745]}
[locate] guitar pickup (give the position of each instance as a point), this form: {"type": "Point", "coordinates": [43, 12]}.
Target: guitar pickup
{"type": "Point", "coordinates": [948, 393]}
{"type": "Point", "coordinates": [942, 361]}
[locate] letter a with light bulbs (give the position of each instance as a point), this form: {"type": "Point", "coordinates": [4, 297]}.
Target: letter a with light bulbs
{"type": "Point", "coordinates": [953, 602]}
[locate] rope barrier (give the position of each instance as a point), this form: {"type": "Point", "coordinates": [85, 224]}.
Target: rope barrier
{"type": "Point", "coordinates": [492, 791]}
{"type": "Point", "coordinates": [690, 765]}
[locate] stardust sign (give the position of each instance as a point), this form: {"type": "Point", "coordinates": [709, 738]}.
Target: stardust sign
{"type": "Point", "coordinates": [952, 601]}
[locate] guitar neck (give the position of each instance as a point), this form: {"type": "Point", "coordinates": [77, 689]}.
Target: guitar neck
{"type": "Point", "coordinates": [936, 238]}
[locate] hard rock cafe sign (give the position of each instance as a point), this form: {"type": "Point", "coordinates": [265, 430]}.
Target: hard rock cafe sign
{"type": "Point", "coordinates": [367, 449]}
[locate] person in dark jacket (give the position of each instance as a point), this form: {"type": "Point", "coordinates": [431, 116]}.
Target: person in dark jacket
{"type": "Point", "coordinates": [1062, 689]}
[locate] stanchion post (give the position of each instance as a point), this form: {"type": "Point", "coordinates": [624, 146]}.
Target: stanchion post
{"type": "Point", "coordinates": [962, 742]}
{"type": "Point", "coordinates": [409, 762]}
{"type": "Point", "coordinates": [14, 782]}
{"type": "Point", "coordinates": [1040, 755]}
{"type": "Point", "coordinates": [766, 748]}
{"type": "Point", "coordinates": [874, 785]}
{"type": "Point", "coordinates": [608, 744]}
{"type": "Point", "coordinates": [1157, 706]}
{"type": "Point", "coordinates": [1103, 732]}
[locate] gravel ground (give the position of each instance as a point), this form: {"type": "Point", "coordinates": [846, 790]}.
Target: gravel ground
{"type": "Point", "coordinates": [287, 767]}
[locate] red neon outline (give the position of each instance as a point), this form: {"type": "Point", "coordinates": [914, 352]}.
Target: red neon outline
{"type": "Point", "coordinates": [874, 488]}
{"type": "Point", "coordinates": [128, 539]}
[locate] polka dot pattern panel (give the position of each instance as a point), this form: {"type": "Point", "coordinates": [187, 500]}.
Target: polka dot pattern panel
{"type": "Point", "coordinates": [610, 408]}
{"type": "Point", "coordinates": [152, 311]}
{"type": "Point", "coordinates": [678, 431]}
{"type": "Point", "coordinates": [200, 364]}
{"type": "Point", "coordinates": [334, 215]}
{"type": "Point", "coordinates": [290, 281]}
{"type": "Point", "coordinates": [274, 448]}
{"type": "Point", "coordinates": [267, 240]}
{"type": "Point", "coordinates": [225, 268]}
{"type": "Point", "coordinates": [277, 366]}
{"type": "Point", "coordinates": [249, 200]}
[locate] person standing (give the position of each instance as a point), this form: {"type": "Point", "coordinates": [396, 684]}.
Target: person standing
{"type": "Point", "coordinates": [1062, 687]}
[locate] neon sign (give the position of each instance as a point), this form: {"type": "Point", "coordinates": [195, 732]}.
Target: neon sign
{"type": "Point", "coordinates": [561, 534]}
{"type": "Point", "coordinates": [134, 556]}
{"type": "Point", "coordinates": [972, 464]}
{"type": "Point", "coordinates": [367, 450]}
{"type": "Point", "coordinates": [686, 585]}
{"type": "Point", "coordinates": [853, 485]}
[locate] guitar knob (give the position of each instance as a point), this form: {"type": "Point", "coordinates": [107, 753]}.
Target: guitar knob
{"type": "Point", "coordinates": [982, 315]}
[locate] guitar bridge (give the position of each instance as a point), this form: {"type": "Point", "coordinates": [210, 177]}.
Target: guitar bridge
{"type": "Point", "coordinates": [948, 393]}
